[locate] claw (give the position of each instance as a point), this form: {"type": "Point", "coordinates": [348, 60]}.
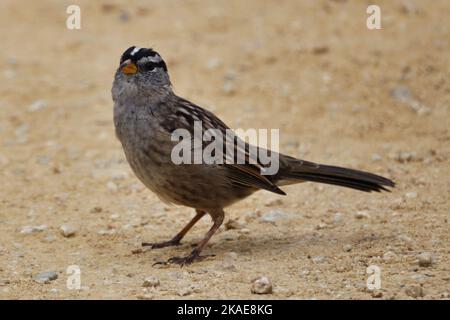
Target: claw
{"type": "Point", "coordinates": [182, 261]}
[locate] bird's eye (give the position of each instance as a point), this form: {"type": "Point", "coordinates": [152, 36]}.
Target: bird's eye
{"type": "Point", "coordinates": [148, 66]}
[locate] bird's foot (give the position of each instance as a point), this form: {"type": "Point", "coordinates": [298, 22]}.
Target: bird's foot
{"type": "Point", "coordinates": [158, 245]}
{"type": "Point", "coordinates": [189, 259]}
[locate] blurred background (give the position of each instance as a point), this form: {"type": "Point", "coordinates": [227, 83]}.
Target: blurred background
{"type": "Point", "coordinates": [340, 93]}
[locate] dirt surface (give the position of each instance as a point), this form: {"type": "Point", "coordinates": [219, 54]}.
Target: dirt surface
{"type": "Point", "coordinates": [341, 94]}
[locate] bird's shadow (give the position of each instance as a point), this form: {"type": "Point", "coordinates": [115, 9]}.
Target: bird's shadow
{"type": "Point", "coordinates": [266, 244]}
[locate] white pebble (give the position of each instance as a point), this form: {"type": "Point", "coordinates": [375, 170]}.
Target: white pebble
{"type": "Point", "coordinates": [262, 285]}
{"type": "Point", "coordinates": [273, 216]}
{"type": "Point", "coordinates": [68, 230]}
{"type": "Point", "coordinates": [37, 105]}
{"type": "Point", "coordinates": [411, 195]}
{"type": "Point", "coordinates": [151, 281]}
{"type": "Point", "coordinates": [337, 217]}
{"type": "Point", "coordinates": [33, 229]}
{"type": "Point", "coordinates": [425, 259]}
{"type": "Point", "coordinates": [362, 214]}
{"type": "Point", "coordinates": [318, 259]}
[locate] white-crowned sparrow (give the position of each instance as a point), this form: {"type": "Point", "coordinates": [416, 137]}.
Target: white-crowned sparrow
{"type": "Point", "coordinates": [147, 111]}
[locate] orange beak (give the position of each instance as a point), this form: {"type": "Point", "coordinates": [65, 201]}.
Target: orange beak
{"type": "Point", "coordinates": [128, 67]}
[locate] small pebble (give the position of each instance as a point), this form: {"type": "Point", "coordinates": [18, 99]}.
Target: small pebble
{"type": "Point", "coordinates": [273, 216]}
{"type": "Point", "coordinates": [233, 224]}
{"type": "Point", "coordinates": [37, 105]}
{"type": "Point", "coordinates": [321, 226]}
{"type": "Point", "coordinates": [228, 88]}
{"type": "Point", "coordinates": [124, 16]}
{"type": "Point", "coordinates": [401, 93]}
{"type": "Point", "coordinates": [390, 256]}
{"type": "Point", "coordinates": [244, 231]}
{"type": "Point", "coordinates": [377, 294]}
{"type": "Point", "coordinates": [273, 202]}
{"type": "Point", "coordinates": [68, 231]}
{"type": "Point", "coordinates": [348, 248]}
{"type": "Point", "coordinates": [376, 157]}
{"type": "Point", "coordinates": [411, 195]}
{"type": "Point", "coordinates": [405, 238]}
{"type": "Point", "coordinates": [145, 296]}
{"type": "Point", "coordinates": [213, 63]}
{"type": "Point", "coordinates": [119, 175]}
{"type": "Point", "coordinates": [151, 281]}
{"type": "Point", "coordinates": [262, 285]}
{"type": "Point", "coordinates": [50, 238]}
{"type": "Point", "coordinates": [185, 291]}
{"type": "Point", "coordinates": [414, 291]}
{"type": "Point", "coordinates": [46, 277]}
{"type": "Point", "coordinates": [403, 157]}
{"type": "Point", "coordinates": [111, 186]}
{"type": "Point", "coordinates": [106, 232]}
{"type": "Point", "coordinates": [362, 214]}
{"type": "Point", "coordinates": [114, 216]}
{"type": "Point", "coordinates": [318, 259]}
{"type": "Point", "coordinates": [425, 259]}
{"type": "Point", "coordinates": [337, 217]}
{"type": "Point", "coordinates": [33, 229]}
{"type": "Point", "coordinates": [320, 50]}
{"type": "Point", "coordinates": [229, 261]}
{"type": "Point", "coordinates": [96, 210]}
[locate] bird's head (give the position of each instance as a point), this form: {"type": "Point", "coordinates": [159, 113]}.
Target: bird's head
{"type": "Point", "coordinates": [141, 70]}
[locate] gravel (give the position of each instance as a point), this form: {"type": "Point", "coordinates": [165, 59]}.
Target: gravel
{"type": "Point", "coordinates": [425, 259]}
{"type": "Point", "coordinates": [348, 248]}
{"type": "Point", "coordinates": [37, 105]}
{"type": "Point", "coordinates": [33, 229]}
{"type": "Point", "coordinates": [376, 157]}
{"type": "Point", "coordinates": [186, 291]}
{"type": "Point", "coordinates": [262, 285]}
{"type": "Point", "coordinates": [318, 259]}
{"type": "Point", "coordinates": [414, 291]}
{"type": "Point", "coordinates": [390, 256]}
{"type": "Point", "coordinates": [273, 202]}
{"type": "Point", "coordinates": [338, 217]}
{"type": "Point", "coordinates": [377, 294]}
{"type": "Point", "coordinates": [403, 94]}
{"type": "Point", "coordinates": [46, 277]}
{"type": "Point", "coordinates": [411, 195]}
{"type": "Point", "coordinates": [233, 225]}
{"type": "Point", "coordinates": [273, 216]}
{"type": "Point", "coordinates": [228, 88]}
{"type": "Point", "coordinates": [68, 231]}
{"type": "Point", "coordinates": [229, 261]}
{"type": "Point", "coordinates": [151, 282]}
{"type": "Point", "coordinates": [363, 214]}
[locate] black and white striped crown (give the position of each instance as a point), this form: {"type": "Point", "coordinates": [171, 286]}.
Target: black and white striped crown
{"type": "Point", "coordinates": [136, 54]}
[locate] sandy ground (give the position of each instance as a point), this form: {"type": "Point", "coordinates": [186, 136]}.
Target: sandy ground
{"type": "Point", "coordinates": [377, 100]}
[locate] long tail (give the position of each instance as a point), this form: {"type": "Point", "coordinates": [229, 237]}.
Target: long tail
{"type": "Point", "coordinates": [308, 171]}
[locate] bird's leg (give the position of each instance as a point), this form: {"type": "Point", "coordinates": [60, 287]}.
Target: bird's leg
{"type": "Point", "coordinates": [217, 217]}
{"type": "Point", "coordinates": [175, 241]}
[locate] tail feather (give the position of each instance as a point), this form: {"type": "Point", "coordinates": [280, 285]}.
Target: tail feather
{"type": "Point", "coordinates": [350, 178]}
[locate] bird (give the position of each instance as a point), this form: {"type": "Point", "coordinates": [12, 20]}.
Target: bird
{"type": "Point", "coordinates": [147, 112]}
